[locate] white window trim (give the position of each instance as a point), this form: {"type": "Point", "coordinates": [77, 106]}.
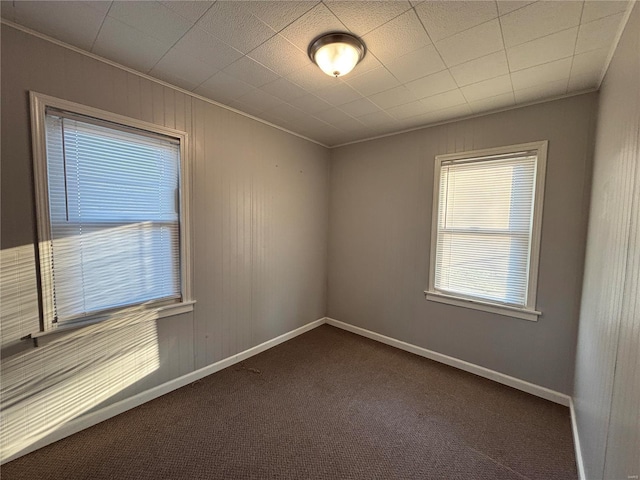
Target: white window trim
{"type": "Point", "coordinates": [39, 104]}
{"type": "Point", "coordinates": [529, 312]}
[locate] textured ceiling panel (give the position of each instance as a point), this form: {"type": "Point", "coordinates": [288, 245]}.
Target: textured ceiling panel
{"type": "Point", "coordinates": [539, 19]}
{"type": "Point", "coordinates": [360, 17]}
{"type": "Point", "coordinates": [51, 18]}
{"type": "Point", "coordinates": [443, 19]}
{"type": "Point", "coordinates": [133, 48]}
{"type": "Point", "coordinates": [426, 61]}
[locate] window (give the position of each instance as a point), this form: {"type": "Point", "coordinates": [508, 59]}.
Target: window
{"type": "Point", "coordinates": [112, 216]}
{"type": "Point", "coordinates": [486, 229]}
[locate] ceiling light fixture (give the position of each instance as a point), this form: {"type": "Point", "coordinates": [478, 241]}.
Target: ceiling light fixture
{"type": "Point", "coordinates": [336, 53]}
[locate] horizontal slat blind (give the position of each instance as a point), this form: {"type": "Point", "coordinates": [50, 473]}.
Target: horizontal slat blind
{"type": "Point", "coordinates": [485, 222]}
{"type": "Point", "coordinates": [114, 211]}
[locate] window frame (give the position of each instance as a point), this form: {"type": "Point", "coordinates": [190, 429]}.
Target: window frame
{"type": "Point", "coordinates": [528, 312]}
{"type": "Point", "coordinates": [121, 315]}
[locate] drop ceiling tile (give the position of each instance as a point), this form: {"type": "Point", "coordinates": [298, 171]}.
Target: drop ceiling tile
{"type": "Point", "coordinates": [588, 81]}
{"type": "Point", "coordinates": [284, 89]}
{"type": "Point", "coordinates": [280, 55]}
{"type": "Point", "coordinates": [310, 104]}
{"type": "Point", "coordinates": [369, 62]}
{"type": "Point", "coordinates": [353, 15]}
{"type": "Point", "coordinates": [326, 134]}
{"type": "Point", "coordinates": [151, 18]}
{"type": "Point", "coordinates": [259, 100]}
{"type": "Point", "coordinates": [445, 18]}
{"type": "Point", "coordinates": [538, 20]}
{"type": "Point", "coordinates": [444, 100]}
{"type": "Point", "coordinates": [541, 92]}
{"type": "Point", "coordinates": [276, 119]}
{"type": "Point", "coordinates": [72, 22]}
{"type": "Point", "coordinates": [488, 88]}
{"type": "Point", "coordinates": [333, 116]}
{"type": "Point", "coordinates": [506, 6]}
{"type": "Point", "coordinates": [180, 66]}
{"type": "Point", "coordinates": [399, 36]}
{"type": "Point", "coordinates": [347, 137]}
{"type": "Point", "coordinates": [593, 10]}
{"type": "Point", "coordinates": [393, 97]}
{"type": "Point", "coordinates": [309, 125]}
{"type": "Point", "coordinates": [471, 44]}
{"type": "Point", "coordinates": [416, 64]}
{"type": "Point", "coordinates": [376, 119]}
{"type": "Point", "coordinates": [315, 22]}
{"type": "Point", "coordinates": [483, 68]}
{"type": "Point", "coordinates": [432, 84]}
{"type": "Point", "coordinates": [354, 125]}
{"type": "Point", "coordinates": [338, 94]}
{"type": "Point", "coordinates": [598, 34]}
{"type": "Point", "coordinates": [286, 112]}
{"type": "Point", "coordinates": [373, 81]}
{"type": "Point", "coordinates": [191, 10]}
{"type": "Point", "coordinates": [493, 103]}
{"type": "Point", "coordinates": [362, 106]}
{"type": "Point", "coordinates": [222, 87]}
{"type": "Point", "coordinates": [449, 113]}
{"type": "Point", "coordinates": [590, 63]}
{"type": "Point", "coordinates": [251, 72]}
{"type": "Point", "coordinates": [205, 47]}
{"type": "Point", "coordinates": [548, 72]}
{"type": "Point", "coordinates": [243, 107]}
{"type": "Point", "coordinates": [234, 25]}
{"type": "Point", "coordinates": [278, 14]}
{"type": "Point", "coordinates": [328, 139]}
{"type": "Point", "coordinates": [543, 50]}
{"type": "Point", "coordinates": [436, 116]}
{"type": "Point", "coordinates": [129, 46]}
{"type": "Point", "coordinates": [174, 80]}
{"type": "Point", "coordinates": [407, 110]}
{"type": "Point", "coordinates": [311, 78]}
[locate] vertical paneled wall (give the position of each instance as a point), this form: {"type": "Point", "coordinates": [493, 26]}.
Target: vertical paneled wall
{"type": "Point", "coordinates": [607, 386]}
{"type": "Point", "coordinates": [260, 222]}
{"type": "Point", "coordinates": [381, 207]}
{"type": "Point", "coordinates": [259, 228]}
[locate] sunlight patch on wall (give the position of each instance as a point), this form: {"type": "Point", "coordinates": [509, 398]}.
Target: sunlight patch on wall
{"type": "Point", "coordinates": [45, 388]}
{"type": "Point", "coordinates": [19, 315]}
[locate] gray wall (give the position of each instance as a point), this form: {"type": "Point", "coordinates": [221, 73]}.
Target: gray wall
{"type": "Point", "coordinates": [380, 222]}
{"type": "Point", "coordinates": [607, 387]}
{"type": "Point", "coordinates": [260, 219]}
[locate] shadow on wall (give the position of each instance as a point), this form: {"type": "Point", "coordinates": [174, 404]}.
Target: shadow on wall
{"type": "Point", "coordinates": [45, 388]}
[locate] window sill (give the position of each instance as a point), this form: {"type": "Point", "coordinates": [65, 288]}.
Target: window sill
{"type": "Point", "coordinates": [522, 313]}
{"type": "Point", "coordinates": [119, 319]}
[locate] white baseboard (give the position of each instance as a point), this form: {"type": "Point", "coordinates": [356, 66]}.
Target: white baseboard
{"type": "Point", "coordinates": [117, 408]}
{"type": "Point", "coordinates": [576, 442]}
{"type": "Point", "coordinates": [531, 388]}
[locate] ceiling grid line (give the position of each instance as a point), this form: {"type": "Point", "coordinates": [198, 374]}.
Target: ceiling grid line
{"type": "Point", "coordinates": [575, 45]}
{"type": "Point", "coordinates": [513, 93]}
{"type": "Point", "coordinates": [181, 37]}
{"type": "Point", "coordinates": [99, 29]}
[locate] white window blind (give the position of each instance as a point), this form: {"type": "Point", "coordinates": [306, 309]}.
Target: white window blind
{"type": "Point", "coordinates": [114, 215]}
{"type": "Point", "coordinates": [484, 228]}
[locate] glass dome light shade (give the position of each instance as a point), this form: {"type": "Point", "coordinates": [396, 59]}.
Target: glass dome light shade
{"type": "Point", "coordinates": [336, 53]}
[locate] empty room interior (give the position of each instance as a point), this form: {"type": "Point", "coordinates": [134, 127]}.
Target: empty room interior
{"type": "Point", "coordinates": [320, 239]}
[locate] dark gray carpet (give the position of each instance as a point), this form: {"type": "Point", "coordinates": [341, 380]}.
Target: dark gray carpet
{"type": "Point", "coordinates": [329, 405]}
